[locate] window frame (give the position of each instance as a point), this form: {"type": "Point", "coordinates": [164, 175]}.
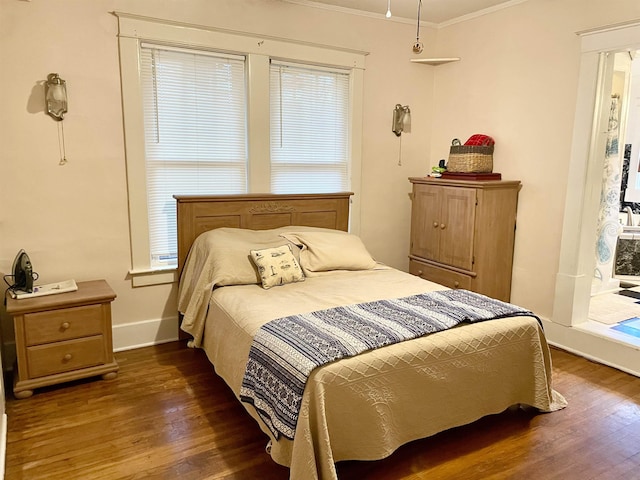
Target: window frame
{"type": "Point", "coordinates": [259, 50]}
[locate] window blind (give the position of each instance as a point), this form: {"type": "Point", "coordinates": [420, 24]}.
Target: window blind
{"type": "Point", "coordinates": [195, 134]}
{"type": "Point", "coordinates": [309, 129]}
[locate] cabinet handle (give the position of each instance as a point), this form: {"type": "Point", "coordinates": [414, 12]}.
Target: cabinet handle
{"type": "Point", "coordinates": [67, 357]}
{"type": "Point", "coordinates": [65, 325]}
{"type": "Point", "coordinates": [435, 224]}
{"type": "Point", "coordinates": [443, 226]}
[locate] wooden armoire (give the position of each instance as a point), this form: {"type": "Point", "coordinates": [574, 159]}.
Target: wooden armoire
{"type": "Point", "coordinates": [462, 233]}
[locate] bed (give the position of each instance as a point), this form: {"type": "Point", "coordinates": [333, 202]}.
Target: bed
{"type": "Point", "coordinates": [360, 407]}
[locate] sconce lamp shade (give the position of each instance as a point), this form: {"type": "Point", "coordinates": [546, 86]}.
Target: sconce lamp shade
{"type": "Point", "coordinates": [406, 120]}
{"type": "Point", "coordinates": [401, 120]}
{"type": "Point", "coordinates": [55, 92]}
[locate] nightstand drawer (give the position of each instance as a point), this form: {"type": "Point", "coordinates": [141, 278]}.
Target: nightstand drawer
{"type": "Point", "coordinates": [65, 356]}
{"type": "Point", "coordinates": [445, 277]}
{"type": "Point", "coordinates": [63, 324]}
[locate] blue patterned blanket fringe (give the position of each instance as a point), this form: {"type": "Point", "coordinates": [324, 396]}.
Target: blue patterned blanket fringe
{"type": "Point", "coordinates": [286, 350]}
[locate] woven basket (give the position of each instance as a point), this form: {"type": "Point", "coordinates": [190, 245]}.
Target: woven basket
{"type": "Point", "coordinates": [470, 159]}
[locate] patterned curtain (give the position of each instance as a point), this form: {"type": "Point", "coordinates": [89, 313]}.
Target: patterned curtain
{"type": "Point", "coordinates": [608, 223]}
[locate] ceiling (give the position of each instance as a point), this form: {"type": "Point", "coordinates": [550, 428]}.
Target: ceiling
{"type": "Point", "coordinates": [432, 11]}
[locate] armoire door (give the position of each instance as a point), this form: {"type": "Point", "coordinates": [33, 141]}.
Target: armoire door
{"type": "Point", "coordinates": [457, 226]}
{"type": "Point", "coordinates": [425, 222]}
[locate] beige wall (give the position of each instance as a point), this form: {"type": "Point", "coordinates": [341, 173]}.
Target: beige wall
{"type": "Point", "coordinates": [517, 82]}
{"type": "Point", "coordinates": [73, 219]}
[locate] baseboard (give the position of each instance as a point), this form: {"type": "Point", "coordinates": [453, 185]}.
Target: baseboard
{"type": "Point", "coordinates": [125, 337]}
{"type": "Point", "coordinates": [594, 346]}
{"type": "Point", "coordinates": [144, 334]}
{"type": "Point", "coordinates": [3, 443]}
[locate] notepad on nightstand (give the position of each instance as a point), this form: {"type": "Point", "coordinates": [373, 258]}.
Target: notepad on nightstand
{"type": "Point", "coordinates": [48, 289]}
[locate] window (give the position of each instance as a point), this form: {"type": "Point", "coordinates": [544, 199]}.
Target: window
{"type": "Point", "coordinates": [309, 129]}
{"type": "Point", "coordinates": [195, 134]}
{"type": "Point", "coordinates": [198, 119]}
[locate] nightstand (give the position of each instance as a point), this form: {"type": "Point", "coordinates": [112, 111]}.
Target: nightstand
{"type": "Point", "coordinates": [63, 337]}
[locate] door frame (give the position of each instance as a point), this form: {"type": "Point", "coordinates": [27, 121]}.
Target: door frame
{"type": "Point", "coordinates": [577, 249]}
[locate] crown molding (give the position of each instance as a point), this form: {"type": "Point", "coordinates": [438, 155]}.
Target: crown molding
{"type": "Point", "coordinates": [481, 13]}
{"type": "Point", "coordinates": [359, 13]}
{"type": "Point", "coordinates": [409, 21]}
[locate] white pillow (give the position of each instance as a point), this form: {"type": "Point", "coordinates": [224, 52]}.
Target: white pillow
{"type": "Point", "coordinates": [277, 266]}
{"type": "Point", "coordinates": [331, 250]}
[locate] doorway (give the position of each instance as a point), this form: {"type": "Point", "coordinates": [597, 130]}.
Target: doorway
{"type": "Point", "coordinates": [570, 327]}
{"type": "Point", "coordinates": [615, 299]}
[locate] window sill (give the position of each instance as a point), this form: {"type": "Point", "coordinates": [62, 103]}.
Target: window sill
{"type": "Point", "coordinates": [145, 278]}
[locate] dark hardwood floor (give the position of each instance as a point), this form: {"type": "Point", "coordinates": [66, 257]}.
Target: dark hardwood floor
{"type": "Point", "coordinates": [168, 416]}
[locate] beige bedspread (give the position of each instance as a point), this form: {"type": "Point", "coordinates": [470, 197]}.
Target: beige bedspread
{"type": "Point", "coordinates": [367, 406]}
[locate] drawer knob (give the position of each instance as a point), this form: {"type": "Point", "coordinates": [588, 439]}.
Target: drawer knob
{"type": "Point", "coordinates": [65, 325]}
{"type": "Point", "coordinates": [67, 357]}
{"type": "Point", "coordinates": [443, 226]}
{"type": "Point", "coordinates": [419, 273]}
{"type": "Point", "coordinates": [456, 284]}
{"type": "Point", "coordinates": [435, 224]}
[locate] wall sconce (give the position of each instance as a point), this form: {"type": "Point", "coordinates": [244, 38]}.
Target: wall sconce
{"type": "Point", "coordinates": [55, 94]}
{"type": "Point", "coordinates": [401, 123]}
{"type": "Point", "coordinates": [401, 120]}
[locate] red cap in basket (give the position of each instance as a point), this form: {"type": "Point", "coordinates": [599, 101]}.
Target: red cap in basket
{"type": "Point", "coordinates": [479, 139]}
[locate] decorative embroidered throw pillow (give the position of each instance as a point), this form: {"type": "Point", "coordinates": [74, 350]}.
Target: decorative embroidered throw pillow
{"type": "Point", "coordinates": [277, 266]}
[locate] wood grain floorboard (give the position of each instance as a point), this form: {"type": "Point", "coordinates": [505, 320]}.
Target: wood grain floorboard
{"type": "Point", "coordinates": [168, 416]}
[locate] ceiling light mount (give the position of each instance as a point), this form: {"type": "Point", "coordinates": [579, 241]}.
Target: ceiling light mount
{"type": "Point", "coordinates": [417, 47]}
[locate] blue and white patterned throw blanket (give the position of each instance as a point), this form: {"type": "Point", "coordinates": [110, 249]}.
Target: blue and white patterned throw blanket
{"type": "Point", "coordinates": [286, 350]}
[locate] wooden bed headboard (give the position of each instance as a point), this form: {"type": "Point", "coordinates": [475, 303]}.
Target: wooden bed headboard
{"type": "Point", "coordinates": [200, 213]}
